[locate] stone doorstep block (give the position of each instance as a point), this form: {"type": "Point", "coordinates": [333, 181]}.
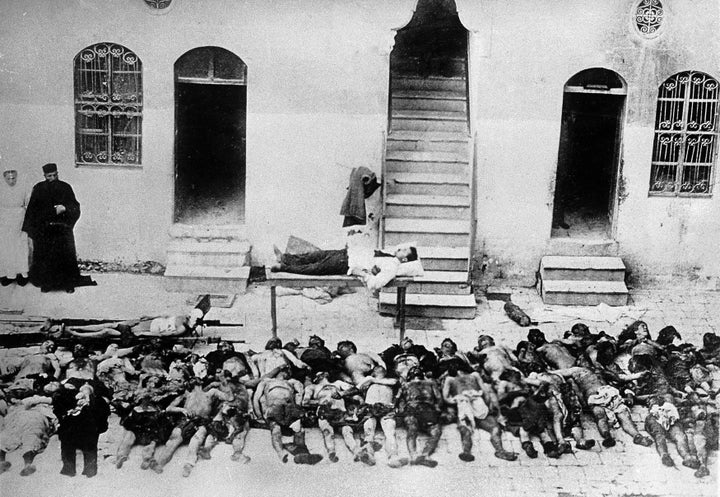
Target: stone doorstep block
{"type": "Point", "coordinates": [495, 292]}
{"type": "Point", "coordinates": [186, 284]}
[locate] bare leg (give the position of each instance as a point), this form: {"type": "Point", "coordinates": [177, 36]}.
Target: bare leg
{"type": "Point", "coordinates": [238, 443]}
{"type": "Point", "coordinates": [328, 433]}
{"type": "Point", "coordinates": [491, 425]}
{"type": "Point", "coordinates": [193, 447]}
{"type": "Point", "coordinates": [369, 433]}
{"type": "Point", "coordinates": [659, 435]}
{"type": "Point", "coordinates": [391, 447]}
{"type": "Point", "coordinates": [699, 440]}
{"type": "Point", "coordinates": [171, 446]}
{"type": "Point", "coordinates": [29, 467]}
{"type": "Point", "coordinates": [603, 426]}
{"type": "Point", "coordinates": [466, 434]}
{"type": "Point", "coordinates": [412, 433]}
{"type": "Point", "coordinates": [4, 465]}
{"type": "Point", "coordinates": [276, 440]}
{"type": "Point", "coordinates": [123, 450]}
{"type": "Point", "coordinates": [628, 425]}
{"type": "Point", "coordinates": [148, 453]}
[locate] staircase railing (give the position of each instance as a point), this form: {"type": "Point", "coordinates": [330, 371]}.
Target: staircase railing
{"type": "Point", "coordinates": [383, 187]}
{"type": "Point", "coordinates": [473, 199]}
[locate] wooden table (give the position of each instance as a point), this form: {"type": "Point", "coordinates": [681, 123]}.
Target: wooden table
{"type": "Point", "coordinates": [291, 280]}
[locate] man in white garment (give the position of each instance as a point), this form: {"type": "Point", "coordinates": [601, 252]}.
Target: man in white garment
{"type": "Point", "coordinates": [13, 241]}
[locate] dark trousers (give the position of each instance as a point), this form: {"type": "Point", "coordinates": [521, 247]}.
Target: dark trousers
{"type": "Point", "coordinates": [318, 263]}
{"type": "Point", "coordinates": [68, 453]}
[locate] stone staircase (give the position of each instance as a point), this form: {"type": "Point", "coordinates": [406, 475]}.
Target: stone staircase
{"type": "Point", "coordinates": [208, 259]}
{"type": "Point", "coordinates": [427, 196]}
{"type": "Point", "coordinates": [585, 272]}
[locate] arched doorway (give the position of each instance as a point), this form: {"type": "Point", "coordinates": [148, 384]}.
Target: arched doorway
{"type": "Point", "coordinates": [589, 155]}
{"type": "Point", "coordinates": [210, 118]}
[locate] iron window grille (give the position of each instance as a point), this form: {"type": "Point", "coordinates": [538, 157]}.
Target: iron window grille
{"type": "Point", "coordinates": [158, 4]}
{"type": "Point", "coordinates": [686, 135]}
{"type": "Point", "coordinates": [649, 16]}
{"type": "Point", "coordinates": [108, 106]}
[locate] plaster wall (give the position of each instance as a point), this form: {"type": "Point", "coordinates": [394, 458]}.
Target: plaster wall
{"type": "Point", "coordinates": [525, 53]}
{"type": "Point", "coordinates": [317, 107]}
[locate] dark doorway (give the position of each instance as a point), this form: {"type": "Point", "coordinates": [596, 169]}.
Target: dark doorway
{"type": "Point", "coordinates": [434, 42]}
{"type": "Point", "coordinates": [588, 156]}
{"type": "Point", "coordinates": [210, 113]}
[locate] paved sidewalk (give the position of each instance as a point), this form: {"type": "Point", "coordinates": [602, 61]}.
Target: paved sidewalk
{"type": "Point", "coordinates": [623, 470]}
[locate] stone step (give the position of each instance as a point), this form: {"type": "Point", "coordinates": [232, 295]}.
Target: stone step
{"type": "Point", "coordinates": [425, 183]}
{"type": "Point", "coordinates": [582, 268]}
{"type": "Point", "coordinates": [439, 282]}
{"type": "Point", "coordinates": [209, 279]}
{"type": "Point", "coordinates": [430, 104]}
{"type": "Point", "coordinates": [458, 147]}
{"type": "Point", "coordinates": [189, 252]}
{"type": "Point", "coordinates": [430, 95]}
{"type": "Point", "coordinates": [456, 168]}
{"type": "Point", "coordinates": [427, 232]}
{"type": "Point", "coordinates": [431, 305]}
{"type": "Point", "coordinates": [444, 258]}
{"type": "Point", "coordinates": [429, 136]}
{"type": "Point", "coordinates": [426, 156]}
{"type": "Point", "coordinates": [427, 206]}
{"type": "Point", "coordinates": [226, 232]}
{"type": "Point", "coordinates": [408, 123]}
{"type": "Point", "coordinates": [429, 115]}
{"type": "Point", "coordinates": [430, 83]}
{"type": "Point", "coordinates": [582, 246]}
{"type": "Point", "coordinates": [428, 239]}
{"type": "Point", "coordinates": [406, 65]}
{"type": "Point", "coordinates": [590, 293]}
{"type": "Point", "coordinates": [426, 226]}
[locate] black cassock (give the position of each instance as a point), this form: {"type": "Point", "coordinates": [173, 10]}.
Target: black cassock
{"type": "Point", "coordinates": [54, 261]}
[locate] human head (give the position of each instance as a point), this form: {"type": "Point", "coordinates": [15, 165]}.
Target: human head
{"type": "Point", "coordinates": [292, 345]}
{"type": "Point", "coordinates": [448, 346]}
{"type": "Point", "coordinates": [638, 329]}
{"type": "Point", "coordinates": [406, 253]}
{"type": "Point", "coordinates": [485, 341]}
{"type": "Point", "coordinates": [112, 350]}
{"type": "Point", "coordinates": [80, 352]}
{"type": "Point", "coordinates": [316, 342]}
{"type": "Point", "coordinates": [48, 347]}
{"type": "Point", "coordinates": [406, 344]}
{"type": "Point", "coordinates": [415, 373]}
{"type": "Point", "coordinates": [536, 337]}
{"type": "Point", "coordinates": [10, 176]}
{"type": "Point", "coordinates": [605, 352]}
{"type": "Point", "coordinates": [320, 376]}
{"type": "Point", "coordinates": [346, 348]}
{"type": "Point", "coordinates": [511, 375]}
{"type": "Point", "coordinates": [667, 335]}
{"type": "Point", "coordinates": [711, 340]}
{"type": "Point", "coordinates": [580, 330]}
{"type": "Point", "coordinates": [50, 172]}
{"type": "Point", "coordinates": [273, 343]}
{"type": "Point", "coordinates": [193, 383]}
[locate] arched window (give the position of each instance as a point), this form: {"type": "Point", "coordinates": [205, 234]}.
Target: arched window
{"type": "Point", "coordinates": [108, 106]}
{"type": "Point", "coordinates": [686, 135]}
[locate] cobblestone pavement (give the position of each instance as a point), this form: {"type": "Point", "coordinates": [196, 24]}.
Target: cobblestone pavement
{"type": "Point", "coordinates": [625, 470]}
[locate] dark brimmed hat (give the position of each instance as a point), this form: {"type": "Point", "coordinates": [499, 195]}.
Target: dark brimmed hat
{"type": "Point", "coordinates": [50, 167]}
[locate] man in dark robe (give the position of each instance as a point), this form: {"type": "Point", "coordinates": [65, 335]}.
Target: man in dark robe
{"type": "Point", "coordinates": [49, 220]}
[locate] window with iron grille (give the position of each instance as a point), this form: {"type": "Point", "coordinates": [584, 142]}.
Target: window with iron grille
{"type": "Point", "coordinates": [648, 15]}
{"type": "Point", "coordinates": [108, 106]}
{"type": "Point", "coordinates": [686, 135]}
